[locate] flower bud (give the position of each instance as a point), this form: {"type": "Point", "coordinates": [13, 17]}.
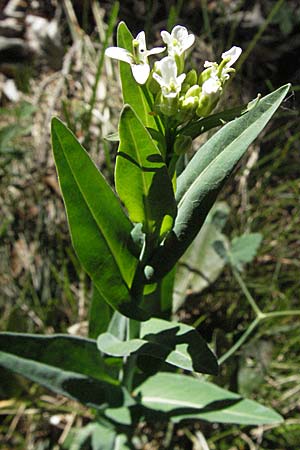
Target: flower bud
{"type": "Point", "coordinates": [193, 91]}
{"type": "Point", "coordinates": [166, 105]}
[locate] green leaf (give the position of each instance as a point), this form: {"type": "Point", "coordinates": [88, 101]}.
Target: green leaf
{"type": "Point", "coordinates": [67, 365]}
{"type": "Point", "coordinates": [134, 94]}
{"type": "Point", "coordinates": [70, 353]}
{"type": "Point", "coordinates": [118, 326]}
{"type": "Point", "coordinates": [194, 129]}
{"type": "Point", "coordinates": [176, 343]}
{"type": "Point", "coordinates": [243, 249]}
{"type": "Point", "coordinates": [97, 435]}
{"type": "Point", "coordinates": [240, 250]}
{"type": "Point", "coordinates": [201, 264]}
{"type": "Point", "coordinates": [200, 183]}
{"type": "Point", "coordinates": [183, 397]}
{"type": "Point", "coordinates": [99, 228]}
{"type": "Point", "coordinates": [100, 314]}
{"type": "Point", "coordinates": [104, 438]}
{"type": "Point", "coordinates": [142, 179]}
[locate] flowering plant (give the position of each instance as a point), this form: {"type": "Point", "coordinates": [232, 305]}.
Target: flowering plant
{"type": "Point", "coordinates": [131, 365]}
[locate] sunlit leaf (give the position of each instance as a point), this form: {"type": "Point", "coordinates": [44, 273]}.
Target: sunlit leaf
{"type": "Point", "coordinates": [182, 397]}
{"type": "Point", "coordinates": [200, 183]}
{"type": "Point", "coordinates": [176, 343]}
{"type": "Point", "coordinates": [142, 179]}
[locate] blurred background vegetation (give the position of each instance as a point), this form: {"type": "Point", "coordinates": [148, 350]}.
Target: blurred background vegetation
{"type": "Point", "coordinates": [51, 63]}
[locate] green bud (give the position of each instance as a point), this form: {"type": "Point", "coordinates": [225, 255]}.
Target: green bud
{"type": "Point", "coordinates": [182, 144]}
{"type": "Point", "coordinates": [179, 59]}
{"type": "Point", "coordinates": [190, 80]}
{"type": "Point", "coordinates": [166, 106]}
{"type": "Point", "coordinates": [189, 103]}
{"type": "Point", "coordinates": [191, 77]}
{"type": "Point", "coordinates": [206, 74]}
{"type": "Point", "coordinates": [207, 104]}
{"type": "Point", "coordinates": [193, 91]}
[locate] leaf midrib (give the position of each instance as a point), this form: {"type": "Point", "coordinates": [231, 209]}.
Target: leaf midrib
{"type": "Point", "coordinates": [168, 401]}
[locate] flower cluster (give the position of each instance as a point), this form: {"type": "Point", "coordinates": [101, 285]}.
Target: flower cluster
{"type": "Point", "coordinates": [178, 94]}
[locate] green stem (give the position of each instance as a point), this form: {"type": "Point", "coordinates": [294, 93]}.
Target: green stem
{"type": "Point", "coordinates": [240, 341]}
{"type": "Point", "coordinates": [247, 294]}
{"type": "Point", "coordinates": [133, 332]}
{"type": "Point", "coordinates": [151, 107]}
{"type": "Point", "coordinates": [133, 326]}
{"type": "Point", "coordinates": [287, 312]}
{"type": "Point", "coordinates": [138, 281]}
{"type": "Point", "coordinates": [259, 317]}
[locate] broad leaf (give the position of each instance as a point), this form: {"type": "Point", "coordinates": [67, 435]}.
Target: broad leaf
{"type": "Point", "coordinates": [90, 434]}
{"type": "Point", "coordinates": [99, 437]}
{"type": "Point", "coordinates": [70, 353]}
{"type": "Point", "coordinates": [99, 228]}
{"type": "Point", "coordinates": [183, 397]}
{"type": "Point", "coordinates": [134, 93]}
{"type": "Point", "coordinates": [199, 184]}
{"type": "Point", "coordinates": [142, 179]}
{"type": "Point", "coordinates": [243, 249]}
{"type": "Point", "coordinates": [176, 343]}
{"type": "Point", "coordinates": [100, 314]}
{"type": "Point", "coordinates": [67, 365]}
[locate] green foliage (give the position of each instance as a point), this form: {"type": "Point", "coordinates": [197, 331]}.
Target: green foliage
{"type": "Point", "coordinates": [133, 94]}
{"type": "Point", "coordinates": [205, 176]}
{"type": "Point", "coordinates": [142, 179]}
{"type": "Point", "coordinates": [176, 343]}
{"type": "Point", "coordinates": [101, 239]}
{"type": "Point", "coordinates": [66, 365]}
{"type": "Point", "coordinates": [183, 397]}
{"type": "Point", "coordinates": [100, 314]}
{"type": "Point", "coordinates": [129, 255]}
{"type": "Point", "coordinates": [99, 437]}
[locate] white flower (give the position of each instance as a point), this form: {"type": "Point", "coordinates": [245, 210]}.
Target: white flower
{"type": "Point", "coordinates": [138, 59]}
{"type": "Point", "coordinates": [169, 81]}
{"type": "Point", "coordinates": [178, 41]}
{"type": "Point", "coordinates": [211, 86]}
{"type": "Point", "coordinates": [229, 58]}
{"type": "Point", "coordinates": [221, 71]}
{"type": "Point", "coordinates": [233, 54]}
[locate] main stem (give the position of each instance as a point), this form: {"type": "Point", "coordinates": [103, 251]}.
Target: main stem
{"type": "Point", "coordinates": [133, 332]}
{"type": "Point", "coordinates": [133, 326]}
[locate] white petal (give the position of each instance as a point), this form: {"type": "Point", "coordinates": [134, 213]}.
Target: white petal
{"type": "Point", "coordinates": [166, 37]}
{"type": "Point", "coordinates": [180, 79]}
{"type": "Point", "coordinates": [189, 41]}
{"type": "Point", "coordinates": [156, 50]}
{"type": "Point", "coordinates": [208, 64]}
{"type": "Point", "coordinates": [211, 86]}
{"type": "Point", "coordinates": [159, 79]}
{"type": "Point", "coordinates": [168, 94]}
{"type": "Point", "coordinates": [119, 53]}
{"type": "Point", "coordinates": [141, 38]}
{"type": "Point", "coordinates": [234, 53]}
{"type": "Point", "coordinates": [179, 33]}
{"type": "Point", "coordinates": [168, 69]}
{"type": "Point", "coordinates": [140, 72]}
